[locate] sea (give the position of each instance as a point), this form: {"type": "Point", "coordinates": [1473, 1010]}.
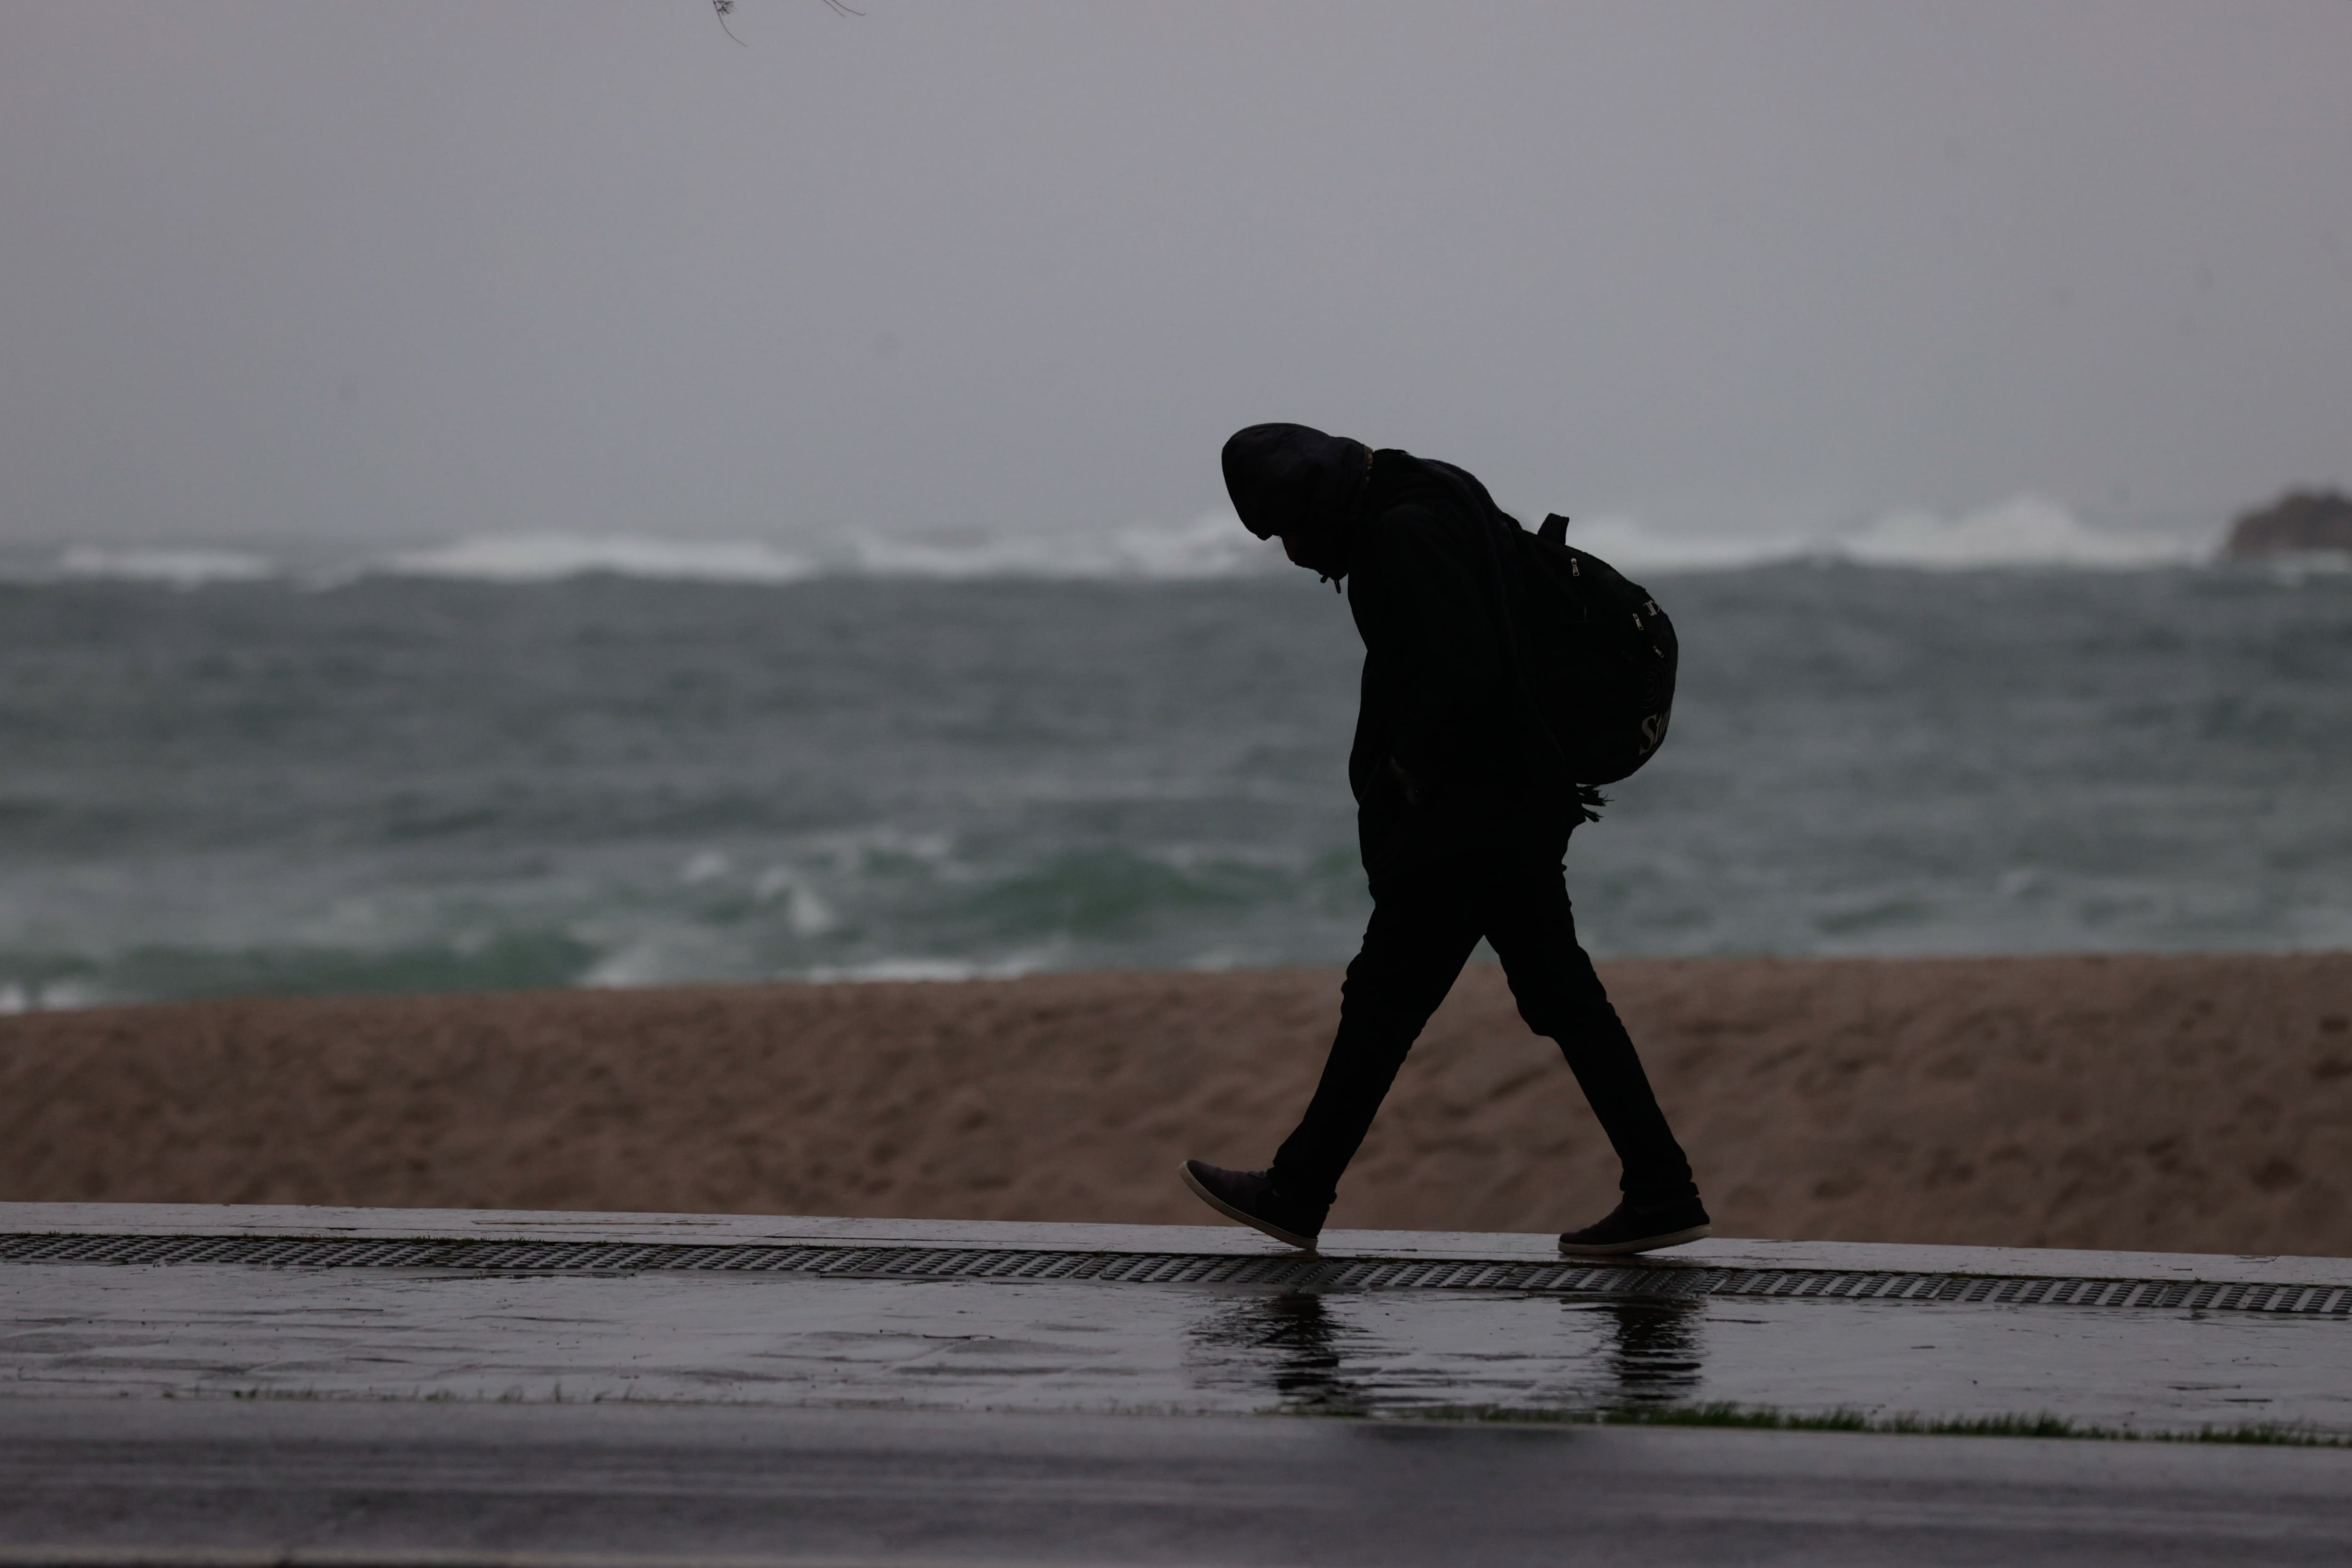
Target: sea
{"type": "Point", "coordinates": [540, 761]}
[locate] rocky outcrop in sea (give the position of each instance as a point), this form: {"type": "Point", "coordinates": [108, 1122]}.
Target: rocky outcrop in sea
{"type": "Point", "coordinates": [2298, 521]}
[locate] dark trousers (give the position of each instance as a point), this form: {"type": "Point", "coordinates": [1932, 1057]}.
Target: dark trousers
{"type": "Point", "coordinates": [1425, 921]}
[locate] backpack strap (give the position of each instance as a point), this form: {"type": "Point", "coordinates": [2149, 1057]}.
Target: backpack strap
{"type": "Point", "coordinates": [1554, 529]}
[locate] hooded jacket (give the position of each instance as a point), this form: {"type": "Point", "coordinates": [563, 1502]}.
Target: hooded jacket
{"type": "Point", "coordinates": [1449, 760]}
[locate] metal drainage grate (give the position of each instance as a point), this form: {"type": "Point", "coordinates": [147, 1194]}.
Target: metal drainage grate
{"type": "Point", "coordinates": [1299, 1273]}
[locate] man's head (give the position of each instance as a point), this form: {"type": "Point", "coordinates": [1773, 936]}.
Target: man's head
{"type": "Point", "coordinates": [1299, 486]}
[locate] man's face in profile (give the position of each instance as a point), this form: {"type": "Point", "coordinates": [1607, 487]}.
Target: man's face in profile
{"type": "Point", "coordinates": [1310, 547]}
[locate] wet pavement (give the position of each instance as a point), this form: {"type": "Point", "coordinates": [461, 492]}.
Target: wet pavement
{"type": "Point", "coordinates": [1087, 1345]}
{"type": "Point", "coordinates": [383, 1389]}
{"type": "Point", "coordinates": [375, 1484]}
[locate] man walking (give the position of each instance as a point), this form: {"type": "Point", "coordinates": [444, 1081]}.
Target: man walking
{"type": "Point", "coordinates": [1463, 810]}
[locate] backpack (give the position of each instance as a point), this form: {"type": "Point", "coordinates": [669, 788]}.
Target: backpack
{"type": "Point", "coordinates": [1599, 655]}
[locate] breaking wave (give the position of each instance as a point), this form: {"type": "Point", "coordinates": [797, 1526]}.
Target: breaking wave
{"type": "Point", "coordinates": [1213, 545]}
{"type": "Point", "coordinates": [550, 558]}
{"type": "Point", "coordinates": [2024, 532]}
{"type": "Point", "coordinates": [191, 567]}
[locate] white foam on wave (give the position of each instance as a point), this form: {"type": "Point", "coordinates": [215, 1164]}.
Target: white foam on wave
{"type": "Point", "coordinates": [1213, 545]}
{"type": "Point", "coordinates": [182, 568]}
{"type": "Point", "coordinates": [554, 556]}
{"type": "Point", "coordinates": [885, 970]}
{"type": "Point", "coordinates": [2023, 531]}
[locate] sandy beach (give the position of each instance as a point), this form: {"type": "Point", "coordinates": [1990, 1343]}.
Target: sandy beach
{"type": "Point", "coordinates": [2172, 1103]}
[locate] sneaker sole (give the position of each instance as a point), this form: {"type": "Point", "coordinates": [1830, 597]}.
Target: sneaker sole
{"type": "Point", "coordinates": [1289, 1238]}
{"type": "Point", "coordinates": [1643, 1244]}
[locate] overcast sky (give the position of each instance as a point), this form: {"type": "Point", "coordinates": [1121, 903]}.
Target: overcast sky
{"type": "Point", "coordinates": [371, 273]}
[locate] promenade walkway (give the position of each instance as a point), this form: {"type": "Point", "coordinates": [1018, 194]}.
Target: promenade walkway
{"type": "Point", "coordinates": [487, 1384]}
{"type": "Point", "coordinates": [116, 1298]}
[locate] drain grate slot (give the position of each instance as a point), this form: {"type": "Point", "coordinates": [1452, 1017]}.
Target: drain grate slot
{"type": "Point", "coordinates": [1649, 1281]}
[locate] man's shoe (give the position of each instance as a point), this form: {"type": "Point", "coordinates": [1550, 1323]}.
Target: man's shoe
{"type": "Point", "coordinates": [1252, 1198]}
{"type": "Point", "coordinates": [1630, 1229]}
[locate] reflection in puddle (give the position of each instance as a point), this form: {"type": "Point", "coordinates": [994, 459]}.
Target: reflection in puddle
{"type": "Point", "coordinates": [1306, 1353]}
{"type": "Point", "coordinates": [1288, 1344]}
{"type": "Point", "coordinates": [1655, 1353]}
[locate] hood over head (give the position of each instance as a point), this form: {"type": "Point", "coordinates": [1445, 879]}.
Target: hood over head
{"type": "Point", "coordinates": [1290, 479]}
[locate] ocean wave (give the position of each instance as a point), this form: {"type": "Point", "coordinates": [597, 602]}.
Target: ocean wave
{"type": "Point", "coordinates": [885, 970]}
{"type": "Point", "coordinates": [182, 568]}
{"type": "Point", "coordinates": [1213, 545]}
{"type": "Point", "coordinates": [2023, 531]}
{"type": "Point", "coordinates": [554, 556]}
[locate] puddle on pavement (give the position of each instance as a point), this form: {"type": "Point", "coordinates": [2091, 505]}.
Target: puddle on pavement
{"type": "Point", "coordinates": [198, 1329]}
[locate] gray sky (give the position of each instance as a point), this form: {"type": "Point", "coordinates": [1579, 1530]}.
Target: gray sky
{"type": "Point", "coordinates": [363, 273]}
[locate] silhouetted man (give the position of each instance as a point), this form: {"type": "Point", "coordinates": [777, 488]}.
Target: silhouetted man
{"type": "Point", "coordinates": [1463, 810]}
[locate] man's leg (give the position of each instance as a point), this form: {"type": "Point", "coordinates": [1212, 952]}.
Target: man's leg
{"type": "Point", "coordinates": [1421, 933]}
{"type": "Point", "coordinates": [1533, 931]}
